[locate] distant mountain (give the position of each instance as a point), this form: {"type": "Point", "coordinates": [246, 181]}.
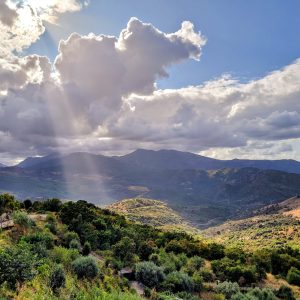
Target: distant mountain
{"type": "Point", "coordinates": [2, 166]}
{"type": "Point", "coordinates": [152, 160]}
{"type": "Point", "coordinates": [203, 190]}
{"type": "Point", "coordinates": [172, 159]}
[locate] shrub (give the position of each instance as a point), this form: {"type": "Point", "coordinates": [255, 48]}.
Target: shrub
{"type": "Point", "coordinates": [40, 238]}
{"type": "Point", "coordinates": [85, 267]}
{"type": "Point", "coordinates": [179, 282]}
{"type": "Point", "coordinates": [198, 281]}
{"type": "Point", "coordinates": [285, 293]}
{"type": "Point", "coordinates": [293, 276]}
{"type": "Point", "coordinates": [57, 279]}
{"type": "Point", "coordinates": [51, 227]}
{"type": "Point", "coordinates": [64, 256]}
{"type": "Point", "coordinates": [74, 244]}
{"type": "Point", "coordinates": [227, 288]}
{"type": "Point", "coordinates": [149, 274]}
{"type": "Point", "coordinates": [86, 250]}
{"type": "Point", "coordinates": [255, 294]}
{"type": "Point", "coordinates": [21, 218]}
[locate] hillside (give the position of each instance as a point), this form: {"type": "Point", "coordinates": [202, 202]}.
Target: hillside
{"type": "Point", "coordinates": [75, 250]}
{"type": "Point", "coordinates": [271, 226]}
{"type": "Point", "coordinates": [152, 212]}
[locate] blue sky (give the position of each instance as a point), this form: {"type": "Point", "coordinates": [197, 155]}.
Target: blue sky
{"type": "Point", "coordinates": [247, 39]}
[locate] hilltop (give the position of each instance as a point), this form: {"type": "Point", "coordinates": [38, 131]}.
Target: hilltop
{"type": "Point", "coordinates": [152, 212]}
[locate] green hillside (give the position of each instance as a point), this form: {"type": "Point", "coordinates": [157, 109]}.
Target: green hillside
{"type": "Point", "coordinates": [75, 250]}
{"type": "Point", "coordinates": [271, 226]}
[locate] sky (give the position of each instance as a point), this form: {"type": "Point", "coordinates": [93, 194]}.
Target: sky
{"type": "Point", "coordinates": [216, 77]}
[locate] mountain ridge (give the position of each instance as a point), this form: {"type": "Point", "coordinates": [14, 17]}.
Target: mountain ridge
{"type": "Point", "coordinates": [174, 159]}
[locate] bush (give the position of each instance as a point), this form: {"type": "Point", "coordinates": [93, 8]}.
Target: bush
{"type": "Point", "coordinates": [198, 281]}
{"type": "Point", "coordinates": [86, 250]}
{"type": "Point", "coordinates": [57, 279]}
{"type": "Point", "coordinates": [179, 282]}
{"type": "Point", "coordinates": [285, 293]}
{"type": "Point", "coordinates": [293, 276]}
{"type": "Point", "coordinates": [85, 267]}
{"type": "Point", "coordinates": [227, 288]}
{"type": "Point", "coordinates": [74, 244]}
{"type": "Point", "coordinates": [52, 228]}
{"type": "Point", "coordinates": [64, 256]}
{"type": "Point", "coordinates": [21, 218]}
{"type": "Point", "coordinates": [255, 294]}
{"type": "Point", "coordinates": [149, 274]}
{"type": "Point", "coordinates": [40, 238]}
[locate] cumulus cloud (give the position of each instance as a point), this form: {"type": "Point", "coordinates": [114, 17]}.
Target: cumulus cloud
{"type": "Point", "coordinates": [100, 95]}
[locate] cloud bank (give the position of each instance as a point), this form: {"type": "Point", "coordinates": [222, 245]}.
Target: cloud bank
{"type": "Point", "coordinates": [100, 95]}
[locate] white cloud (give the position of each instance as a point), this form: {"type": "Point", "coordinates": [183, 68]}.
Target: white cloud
{"type": "Point", "coordinates": [102, 96]}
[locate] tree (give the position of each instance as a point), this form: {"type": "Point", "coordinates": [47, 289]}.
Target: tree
{"type": "Point", "coordinates": [17, 265]}
{"type": "Point", "coordinates": [53, 204]}
{"type": "Point", "coordinates": [149, 274]}
{"type": "Point", "coordinates": [8, 203]}
{"type": "Point", "coordinates": [27, 204]}
{"type": "Point", "coordinates": [85, 267]}
{"type": "Point", "coordinates": [57, 279]}
{"type": "Point", "coordinates": [125, 249]}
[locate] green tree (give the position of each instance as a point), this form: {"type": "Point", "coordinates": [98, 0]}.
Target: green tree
{"type": "Point", "coordinates": [17, 264]}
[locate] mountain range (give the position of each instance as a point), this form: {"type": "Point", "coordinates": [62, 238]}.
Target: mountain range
{"type": "Point", "coordinates": [204, 190]}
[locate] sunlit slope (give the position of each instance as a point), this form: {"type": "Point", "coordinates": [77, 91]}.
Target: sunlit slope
{"type": "Point", "coordinates": [271, 226]}
{"type": "Point", "coordinates": [152, 212]}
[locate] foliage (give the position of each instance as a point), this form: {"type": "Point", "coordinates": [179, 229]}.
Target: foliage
{"type": "Point", "coordinates": [149, 274]}
{"type": "Point", "coordinates": [228, 289]}
{"type": "Point", "coordinates": [17, 264]}
{"type": "Point", "coordinates": [178, 282]}
{"type": "Point", "coordinates": [86, 250]}
{"type": "Point", "coordinates": [256, 294]}
{"type": "Point", "coordinates": [57, 278]}
{"type": "Point", "coordinates": [285, 292]}
{"type": "Point", "coordinates": [85, 267]}
{"type": "Point", "coordinates": [21, 218]}
{"type": "Point", "coordinates": [293, 276]}
{"type": "Point", "coordinates": [8, 203]}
